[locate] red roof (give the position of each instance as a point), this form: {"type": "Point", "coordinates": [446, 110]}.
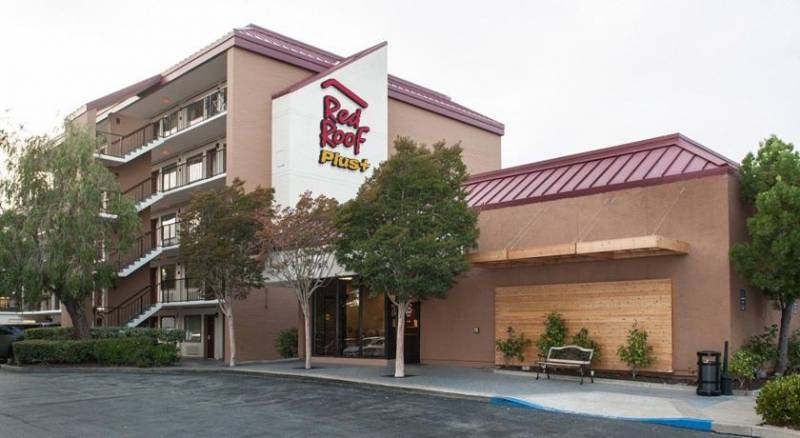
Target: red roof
{"type": "Point", "coordinates": [272, 44]}
{"type": "Point", "coordinates": [654, 161]}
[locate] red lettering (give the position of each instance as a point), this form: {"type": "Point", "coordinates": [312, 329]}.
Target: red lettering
{"type": "Point", "coordinates": [333, 116]}
{"type": "Point", "coordinates": [360, 139]}
{"type": "Point", "coordinates": [326, 130]}
{"type": "Point", "coordinates": [341, 117]}
{"type": "Point", "coordinates": [330, 105]}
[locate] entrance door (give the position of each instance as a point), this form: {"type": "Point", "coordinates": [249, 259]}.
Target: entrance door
{"type": "Point", "coordinates": [209, 323]}
{"type": "Point", "coordinates": [411, 339]}
{"type": "Point", "coordinates": [411, 343]}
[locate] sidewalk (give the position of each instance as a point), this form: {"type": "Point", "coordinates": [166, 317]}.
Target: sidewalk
{"type": "Point", "coordinates": [663, 404]}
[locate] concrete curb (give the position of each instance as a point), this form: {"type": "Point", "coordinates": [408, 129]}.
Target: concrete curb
{"type": "Point", "coordinates": [532, 375]}
{"type": "Point", "coordinates": [679, 422]}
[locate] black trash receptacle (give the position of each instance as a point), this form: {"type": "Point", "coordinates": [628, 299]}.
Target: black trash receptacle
{"type": "Point", "coordinates": [708, 373]}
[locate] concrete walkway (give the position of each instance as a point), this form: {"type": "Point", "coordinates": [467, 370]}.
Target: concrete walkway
{"type": "Point", "coordinates": [675, 405]}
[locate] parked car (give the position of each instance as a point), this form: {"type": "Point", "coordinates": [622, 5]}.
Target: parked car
{"type": "Point", "coordinates": [8, 335]}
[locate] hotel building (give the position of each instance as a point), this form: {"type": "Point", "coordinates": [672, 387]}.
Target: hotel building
{"type": "Point", "coordinates": [632, 233]}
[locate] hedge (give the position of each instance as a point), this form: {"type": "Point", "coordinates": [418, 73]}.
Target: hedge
{"type": "Point", "coordinates": [122, 351]}
{"type": "Point", "coordinates": [66, 333]}
{"type": "Point", "coordinates": [50, 352]}
{"type": "Point", "coordinates": [778, 402]}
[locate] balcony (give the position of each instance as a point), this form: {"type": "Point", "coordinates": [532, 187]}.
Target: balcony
{"type": "Point", "coordinates": [183, 291]}
{"type": "Point", "coordinates": [173, 184]}
{"type": "Point", "coordinates": [179, 129]}
{"type": "Point", "coordinates": [50, 306]}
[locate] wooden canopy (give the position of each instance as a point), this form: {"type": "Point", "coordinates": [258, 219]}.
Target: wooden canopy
{"type": "Point", "coordinates": [611, 249]}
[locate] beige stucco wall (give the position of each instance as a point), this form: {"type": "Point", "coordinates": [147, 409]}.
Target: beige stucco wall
{"type": "Point", "coordinates": [481, 148]}
{"type": "Point", "coordinates": [252, 80]}
{"type": "Point", "coordinates": [695, 210]}
{"type": "Point", "coordinates": [257, 321]}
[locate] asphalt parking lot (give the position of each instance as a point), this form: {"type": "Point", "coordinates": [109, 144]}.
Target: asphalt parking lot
{"type": "Point", "coordinates": [133, 404]}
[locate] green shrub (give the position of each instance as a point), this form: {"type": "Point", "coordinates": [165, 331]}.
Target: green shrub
{"type": "Point", "coordinates": [636, 353]}
{"type": "Point", "coordinates": [764, 346]}
{"type": "Point", "coordinates": [165, 355]}
{"type": "Point", "coordinates": [582, 339]}
{"type": "Point", "coordinates": [50, 333]}
{"type": "Point", "coordinates": [66, 333]}
{"type": "Point", "coordinates": [125, 351]}
{"type": "Point", "coordinates": [163, 335]}
{"type": "Point", "coordinates": [129, 351]}
{"type": "Point", "coordinates": [513, 347]}
{"type": "Point", "coordinates": [37, 351]}
{"type": "Point", "coordinates": [743, 366]}
{"type": "Point", "coordinates": [286, 342]}
{"type": "Point", "coordinates": [555, 333]}
{"type": "Point", "coordinates": [778, 402]}
{"type": "Point", "coordinates": [794, 351]}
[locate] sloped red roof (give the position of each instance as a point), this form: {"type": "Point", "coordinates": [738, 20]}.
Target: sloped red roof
{"type": "Point", "coordinates": [272, 44]}
{"type": "Point", "coordinates": [657, 160]}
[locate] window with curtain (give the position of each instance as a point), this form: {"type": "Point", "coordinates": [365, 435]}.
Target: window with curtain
{"type": "Point", "coordinates": [193, 325]}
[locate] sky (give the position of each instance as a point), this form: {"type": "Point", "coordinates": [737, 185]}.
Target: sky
{"type": "Point", "coordinates": [563, 76]}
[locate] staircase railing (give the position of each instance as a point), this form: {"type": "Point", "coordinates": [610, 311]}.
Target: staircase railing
{"type": "Point", "coordinates": [175, 290]}
{"type": "Point", "coordinates": [129, 309]}
{"type": "Point", "coordinates": [165, 236]}
{"type": "Point", "coordinates": [143, 245]}
{"type": "Point", "coordinates": [121, 145]}
{"type": "Point", "coordinates": [142, 190]}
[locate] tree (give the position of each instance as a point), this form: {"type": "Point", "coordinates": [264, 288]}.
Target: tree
{"type": "Point", "coordinates": [62, 207]}
{"type": "Point", "coordinates": [771, 180]}
{"type": "Point", "coordinates": [298, 250]}
{"type": "Point", "coordinates": [407, 231]}
{"type": "Point", "coordinates": [219, 249]}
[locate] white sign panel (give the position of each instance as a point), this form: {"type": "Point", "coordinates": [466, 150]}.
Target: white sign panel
{"type": "Point", "coordinates": [330, 133]}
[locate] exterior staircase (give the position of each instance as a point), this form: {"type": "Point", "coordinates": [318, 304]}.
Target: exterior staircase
{"type": "Point", "coordinates": [144, 259]}
{"type": "Point", "coordinates": [133, 311]}
{"type": "Point", "coordinates": [148, 201]}
{"type": "Point", "coordinates": [142, 317]}
{"type": "Point", "coordinates": [117, 149]}
{"type": "Point", "coordinates": [144, 303]}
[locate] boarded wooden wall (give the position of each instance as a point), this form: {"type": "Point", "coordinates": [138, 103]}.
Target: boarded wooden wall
{"type": "Point", "coordinates": [607, 310]}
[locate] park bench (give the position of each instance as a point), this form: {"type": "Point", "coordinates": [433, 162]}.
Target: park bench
{"type": "Point", "coordinates": [568, 356]}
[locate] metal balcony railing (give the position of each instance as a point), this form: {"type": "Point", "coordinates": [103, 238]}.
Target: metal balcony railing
{"type": "Point", "coordinates": [181, 290]}
{"type": "Point", "coordinates": [178, 176]}
{"type": "Point", "coordinates": [170, 124]}
{"type": "Point", "coordinates": [192, 171]}
{"type": "Point", "coordinates": [8, 305]}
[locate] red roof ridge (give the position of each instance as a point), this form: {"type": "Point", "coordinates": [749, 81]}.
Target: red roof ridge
{"type": "Point", "coordinates": [647, 162]}
{"type": "Point", "coordinates": [606, 152]}
{"type": "Point", "coordinates": [347, 61]}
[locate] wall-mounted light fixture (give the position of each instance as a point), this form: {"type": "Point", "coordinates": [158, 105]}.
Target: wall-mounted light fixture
{"type": "Point", "coordinates": [742, 300]}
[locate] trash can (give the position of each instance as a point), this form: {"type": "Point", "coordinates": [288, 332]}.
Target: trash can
{"type": "Point", "coordinates": [708, 373]}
